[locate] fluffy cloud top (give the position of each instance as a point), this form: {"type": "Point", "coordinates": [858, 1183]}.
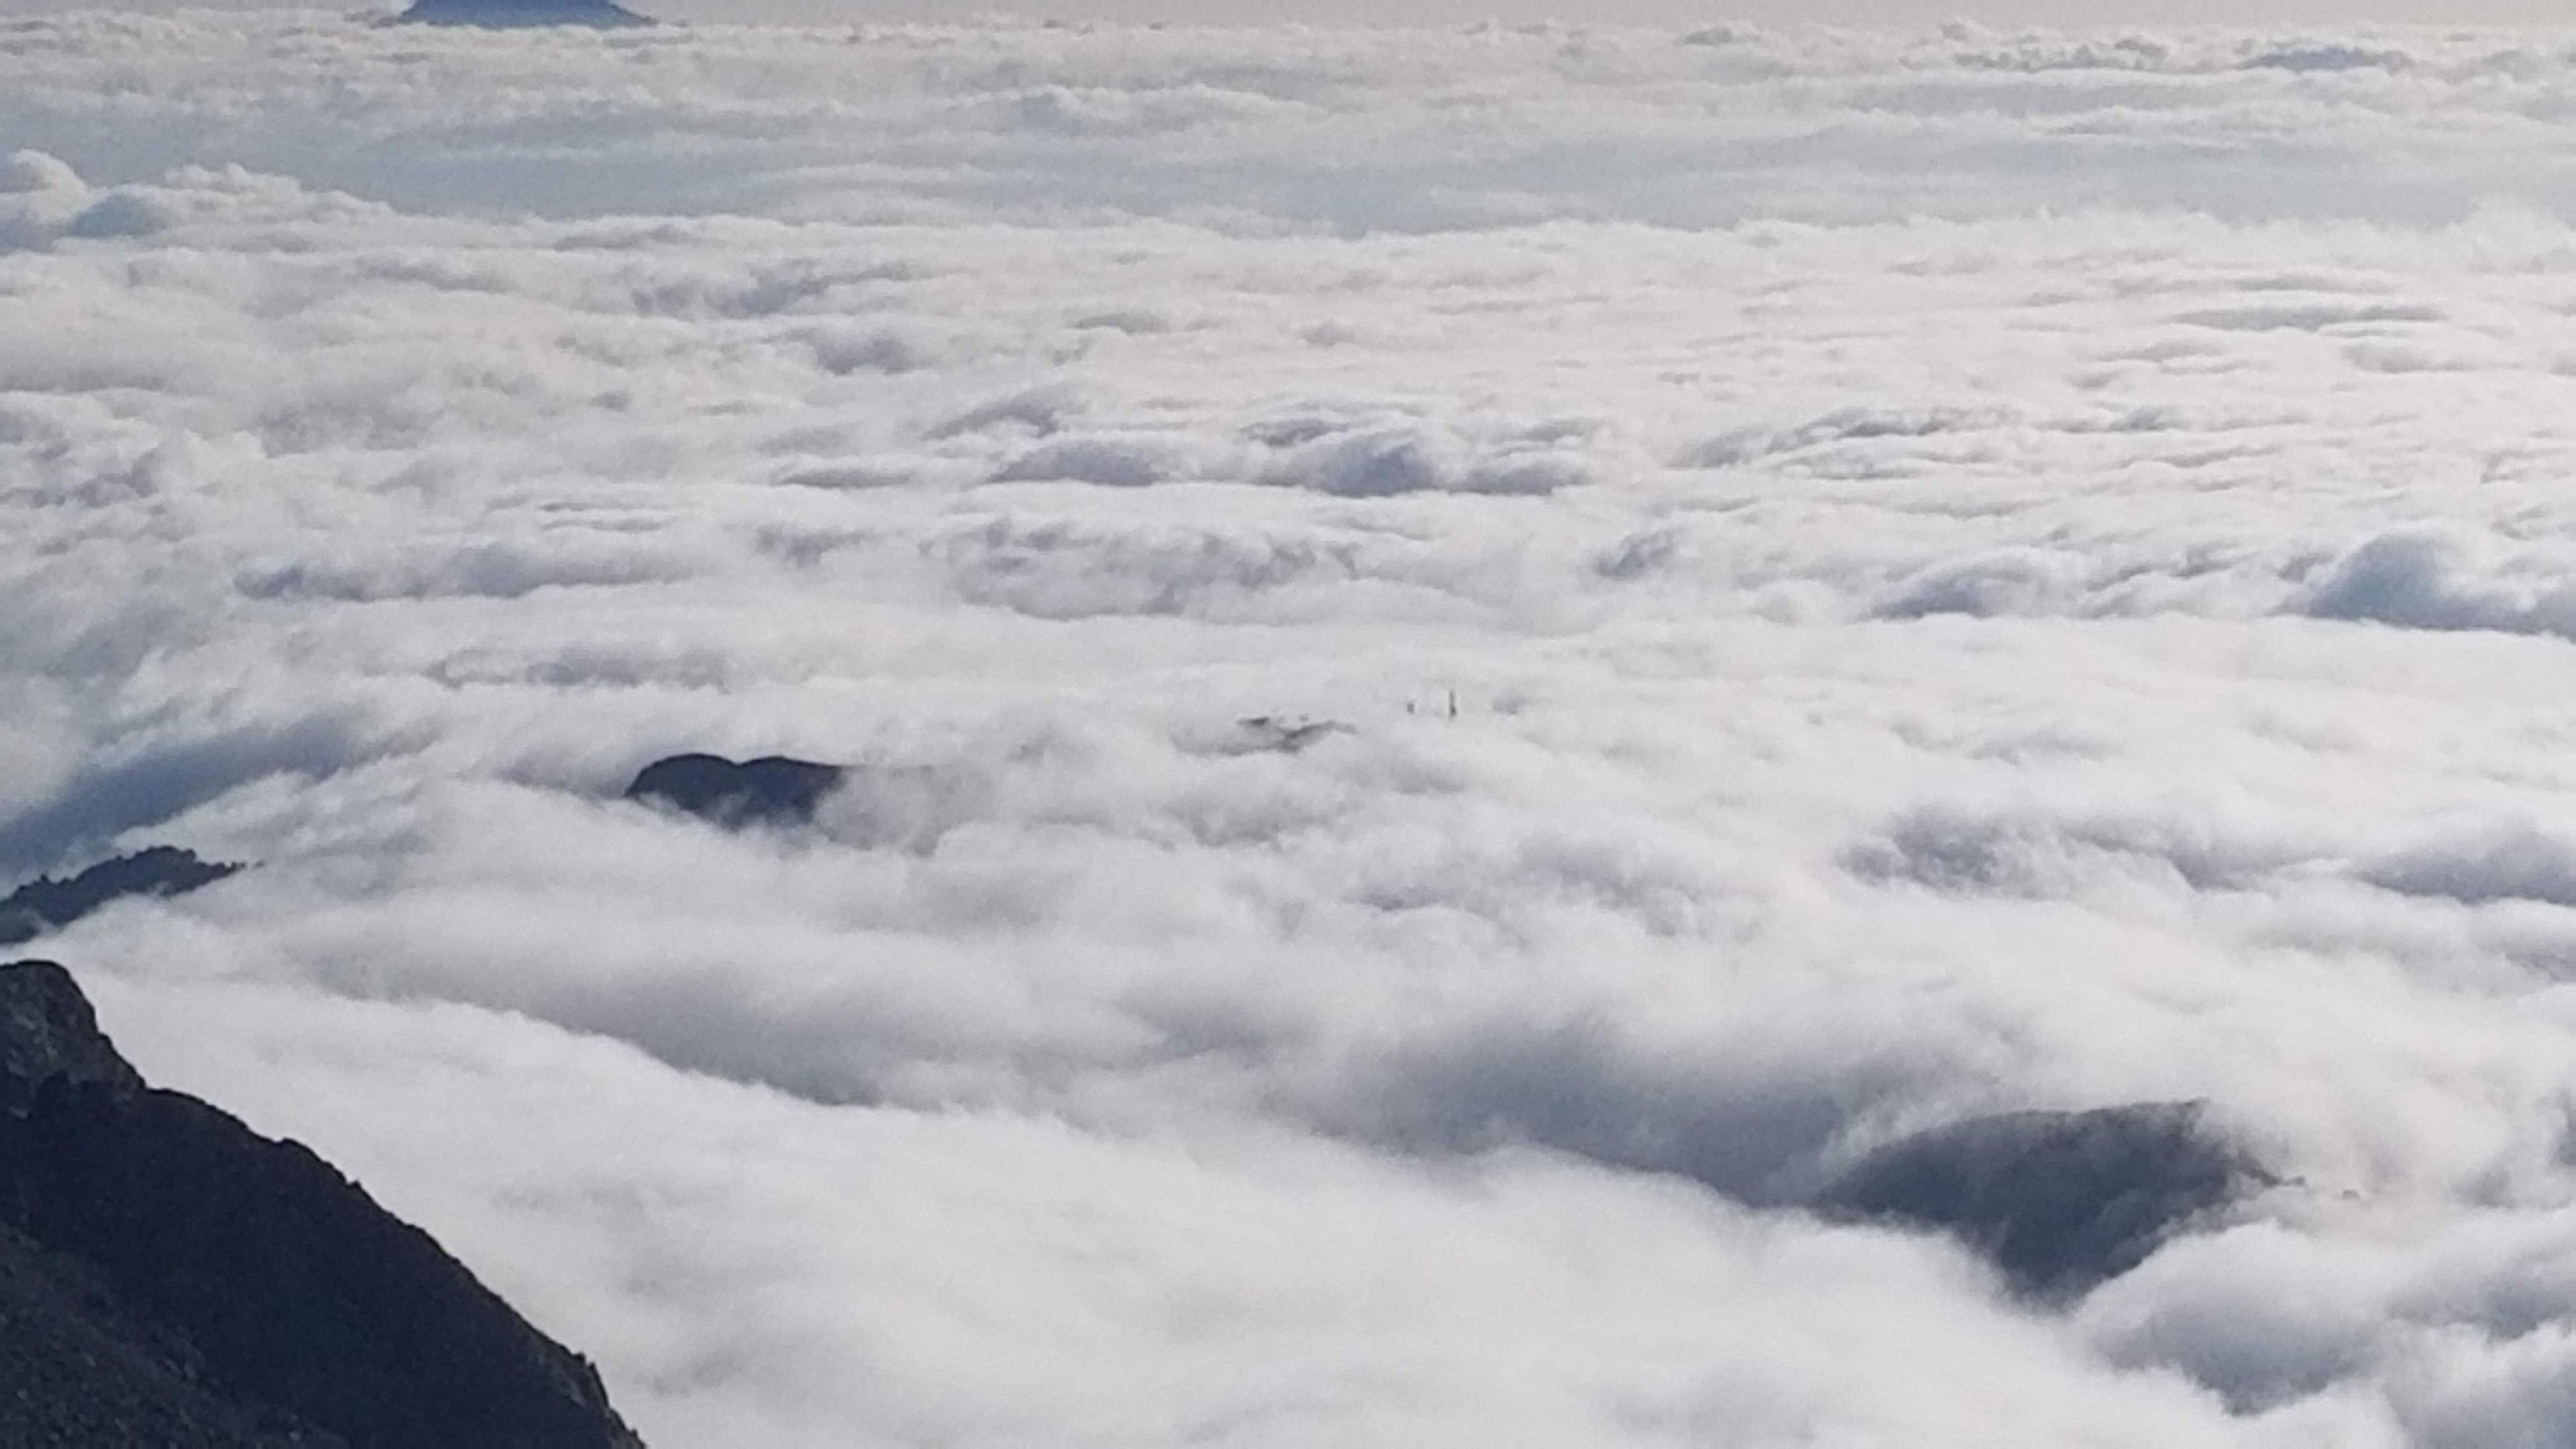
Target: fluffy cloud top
{"type": "Point", "coordinates": [1871, 582]}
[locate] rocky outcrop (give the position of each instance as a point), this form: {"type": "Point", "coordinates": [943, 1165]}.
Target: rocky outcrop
{"type": "Point", "coordinates": [168, 1276]}
{"type": "Point", "coordinates": [49, 1034]}
{"type": "Point", "coordinates": [44, 904]}
{"type": "Point", "coordinates": [2060, 1201]}
{"type": "Point", "coordinates": [772, 790]}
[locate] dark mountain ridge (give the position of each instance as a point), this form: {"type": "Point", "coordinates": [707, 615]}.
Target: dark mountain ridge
{"type": "Point", "coordinates": [169, 1277]}
{"type": "Point", "coordinates": [44, 904]}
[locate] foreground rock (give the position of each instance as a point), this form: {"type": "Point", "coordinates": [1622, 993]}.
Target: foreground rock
{"type": "Point", "coordinates": [48, 1036]}
{"type": "Point", "coordinates": [45, 904]}
{"type": "Point", "coordinates": [522, 14]}
{"type": "Point", "coordinates": [772, 790]}
{"type": "Point", "coordinates": [169, 1277]}
{"type": "Point", "coordinates": [79, 1371]}
{"type": "Point", "coordinates": [2060, 1201]}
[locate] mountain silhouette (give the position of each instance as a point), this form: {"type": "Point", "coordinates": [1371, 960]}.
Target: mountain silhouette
{"type": "Point", "coordinates": [169, 1277]}
{"type": "Point", "coordinates": [517, 14]}
{"type": "Point", "coordinates": [45, 903]}
{"type": "Point", "coordinates": [2060, 1201]}
{"type": "Point", "coordinates": [771, 790]}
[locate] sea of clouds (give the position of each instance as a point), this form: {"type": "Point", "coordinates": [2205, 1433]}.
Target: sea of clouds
{"type": "Point", "coordinates": [1872, 580]}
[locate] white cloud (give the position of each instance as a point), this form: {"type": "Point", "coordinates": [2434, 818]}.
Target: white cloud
{"type": "Point", "coordinates": [1975, 572]}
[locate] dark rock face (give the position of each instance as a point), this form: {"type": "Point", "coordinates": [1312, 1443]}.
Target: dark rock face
{"type": "Point", "coordinates": [167, 1276]}
{"type": "Point", "coordinates": [48, 1033]}
{"type": "Point", "coordinates": [45, 903]}
{"type": "Point", "coordinates": [772, 790]}
{"type": "Point", "coordinates": [2060, 1201]}
{"type": "Point", "coordinates": [80, 1371]}
{"type": "Point", "coordinates": [517, 14]}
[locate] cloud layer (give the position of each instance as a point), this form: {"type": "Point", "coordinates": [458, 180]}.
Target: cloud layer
{"type": "Point", "coordinates": [1871, 582]}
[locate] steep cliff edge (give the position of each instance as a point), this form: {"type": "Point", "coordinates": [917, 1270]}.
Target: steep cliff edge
{"type": "Point", "coordinates": [169, 1277]}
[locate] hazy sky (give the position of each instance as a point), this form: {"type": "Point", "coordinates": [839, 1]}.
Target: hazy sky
{"type": "Point", "coordinates": [2082, 14]}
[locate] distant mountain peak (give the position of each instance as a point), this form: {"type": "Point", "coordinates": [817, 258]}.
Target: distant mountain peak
{"type": "Point", "coordinates": [516, 14]}
{"type": "Point", "coordinates": [772, 790]}
{"type": "Point", "coordinates": [45, 903]}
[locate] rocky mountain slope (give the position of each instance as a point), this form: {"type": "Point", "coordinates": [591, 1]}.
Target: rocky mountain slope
{"type": "Point", "coordinates": [169, 1277]}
